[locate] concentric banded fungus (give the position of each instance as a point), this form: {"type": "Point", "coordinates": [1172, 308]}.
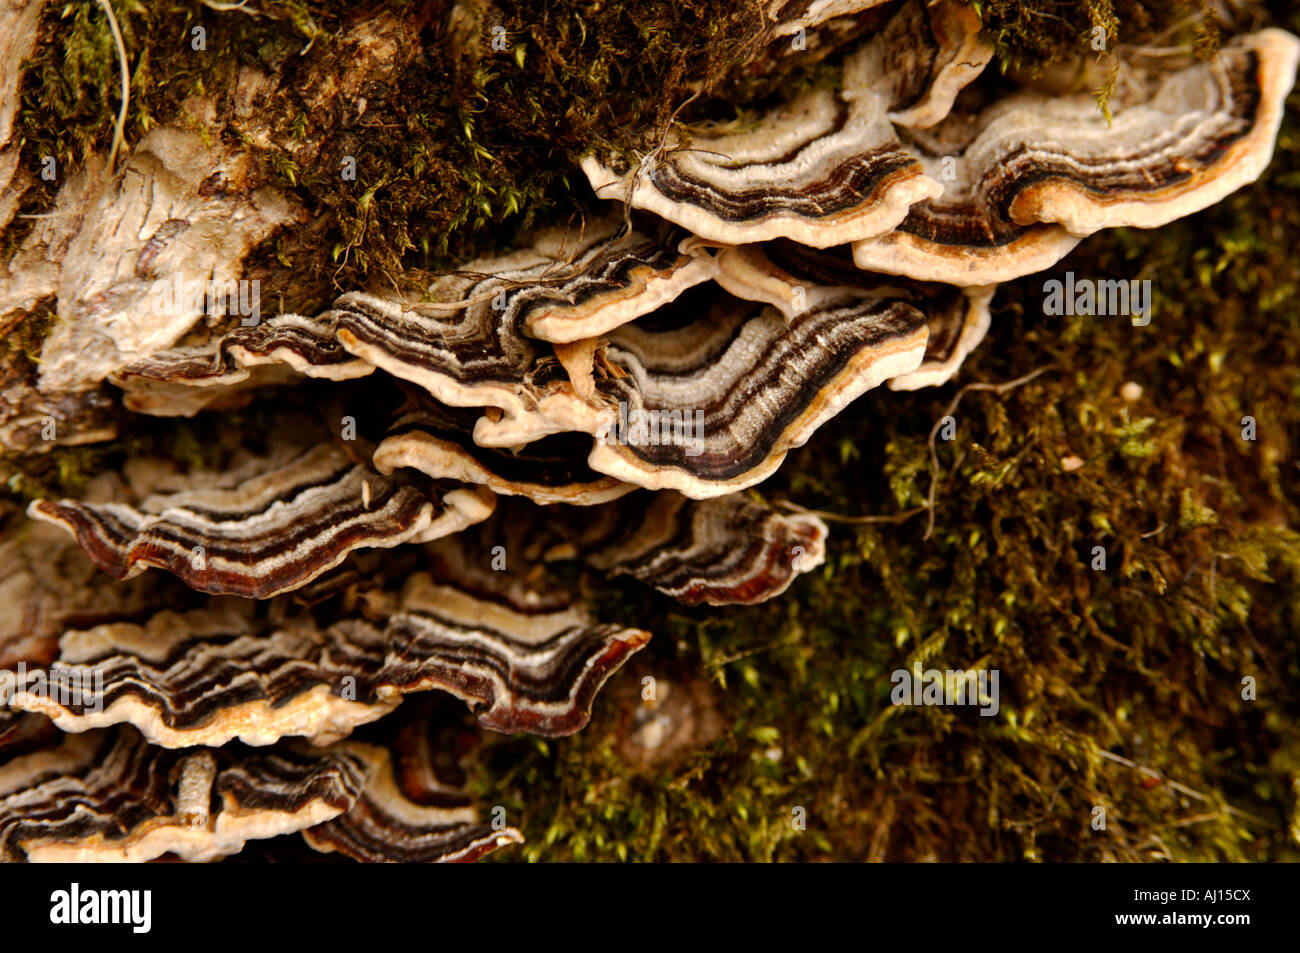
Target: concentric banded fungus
{"type": "Point", "coordinates": [108, 796]}
{"type": "Point", "coordinates": [469, 347]}
{"type": "Point", "coordinates": [210, 676]}
{"type": "Point", "coordinates": [186, 380]}
{"type": "Point", "coordinates": [269, 535]}
{"type": "Point", "coordinates": [393, 820]}
{"type": "Point", "coordinates": [725, 551]}
{"type": "Point", "coordinates": [1035, 172]}
{"type": "Point", "coordinates": [213, 675]}
{"type": "Point", "coordinates": [528, 670]}
{"type": "Point", "coordinates": [708, 395]}
{"type": "Point", "coordinates": [954, 331]}
{"type": "Point", "coordinates": [437, 441]}
{"type": "Point", "coordinates": [474, 359]}
{"type": "Point", "coordinates": [616, 274]}
{"type": "Point", "coordinates": [825, 169]}
{"type": "Point", "coordinates": [755, 386]}
{"type": "Point", "coordinates": [930, 51]}
{"type": "Point", "coordinates": [685, 353]}
{"type": "Point", "coordinates": [793, 278]}
{"type": "Point", "coordinates": [728, 551]}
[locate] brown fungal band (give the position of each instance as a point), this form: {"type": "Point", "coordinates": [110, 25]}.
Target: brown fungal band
{"type": "Point", "coordinates": [723, 551]}
{"type": "Point", "coordinates": [823, 171]}
{"type": "Point", "coordinates": [271, 534]}
{"type": "Point", "coordinates": [524, 670]}
{"type": "Point", "coordinates": [728, 551]}
{"type": "Point", "coordinates": [107, 796]}
{"type": "Point", "coordinates": [438, 441]}
{"type": "Point", "coordinates": [792, 278]}
{"type": "Point", "coordinates": [826, 168]}
{"type": "Point", "coordinates": [1033, 173]}
{"type": "Point", "coordinates": [211, 676]}
{"type": "Point", "coordinates": [479, 341]}
{"type": "Point", "coordinates": [184, 381]}
{"type": "Point", "coordinates": [390, 823]}
{"type": "Point", "coordinates": [746, 384]}
{"type": "Point", "coordinates": [619, 275]}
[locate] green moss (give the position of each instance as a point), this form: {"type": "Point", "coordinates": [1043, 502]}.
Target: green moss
{"type": "Point", "coordinates": [1032, 35]}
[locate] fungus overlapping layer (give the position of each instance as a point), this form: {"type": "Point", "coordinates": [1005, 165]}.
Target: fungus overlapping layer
{"type": "Point", "coordinates": [272, 533]}
{"type": "Point", "coordinates": [482, 339]}
{"type": "Point", "coordinates": [185, 380]}
{"type": "Point", "coordinates": [212, 675]}
{"type": "Point", "coordinates": [438, 441]}
{"type": "Point", "coordinates": [793, 278]}
{"type": "Point", "coordinates": [108, 796]}
{"type": "Point", "coordinates": [825, 168]}
{"type": "Point", "coordinates": [615, 383]}
{"type": "Point", "coordinates": [1033, 173]}
{"type": "Point", "coordinates": [405, 814]}
{"type": "Point", "coordinates": [757, 384]}
{"type": "Point", "coordinates": [726, 551]}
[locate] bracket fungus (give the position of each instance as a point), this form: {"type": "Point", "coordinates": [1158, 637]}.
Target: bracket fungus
{"type": "Point", "coordinates": [728, 551]}
{"type": "Point", "coordinates": [185, 380]}
{"type": "Point", "coordinates": [438, 441]}
{"type": "Point", "coordinates": [792, 279]}
{"type": "Point", "coordinates": [108, 796]}
{"type": "Point", "coordinates": [1035, 172]}
{"type": "Point", "coordinates": [270, 534]}
{"type": "Point", "coordinates": [826, 168]}
{"type": "Point", "coordinates": [213, 675]}
{"type": "Point", "coordinates": [599, 396]}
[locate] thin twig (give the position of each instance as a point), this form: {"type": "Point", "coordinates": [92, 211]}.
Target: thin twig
{"type": "Point", "coordinates": [838, 518]}
{"type": "Point", "coordinates": [1180, 788]}
{"type": "Point", "coordinates": [119, 130]}
{"type": "Point", "coordinates": [951, 409]}
{"type": "Point", "coordinates": [649, 158]}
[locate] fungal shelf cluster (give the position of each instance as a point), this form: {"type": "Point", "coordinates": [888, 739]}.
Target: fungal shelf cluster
{"type": "Point", "coordinates": [604, 399]}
